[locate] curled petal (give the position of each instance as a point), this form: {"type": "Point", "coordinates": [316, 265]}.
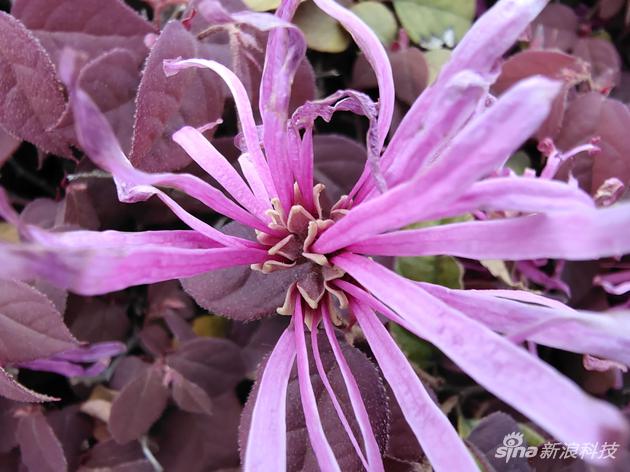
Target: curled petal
{"type": "Point", "coordinates": [485, 142]}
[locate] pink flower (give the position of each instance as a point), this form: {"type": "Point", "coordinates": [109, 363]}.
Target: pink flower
{"type": "Point", "coordinates": [436, 165]}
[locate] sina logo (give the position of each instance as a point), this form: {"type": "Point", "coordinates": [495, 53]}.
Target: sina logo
{"type": "Point", "coordinates": [513, 447]}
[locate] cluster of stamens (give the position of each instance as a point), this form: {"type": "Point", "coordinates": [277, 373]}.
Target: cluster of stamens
{"type": "Point", "coordinates": [290, 240]}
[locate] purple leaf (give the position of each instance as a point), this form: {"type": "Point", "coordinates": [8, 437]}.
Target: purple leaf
{"type": "Point", "coordinates": [211, 440]}
{"type": "Point", "coordinates": [128, 369]}
{"type": "Point", "coordinates": [300, 455]}
{"type": "Point", "coordinates": [213, 364]}
{"type": "Point", "coordinates": [401, 444]}
{"type": "Point", "coordinates": [594, 116]}
{"type": "Point", "coordinates": [31, 96]}
{"type": "Point", "coordinates": [488, 435]}
{"type": "Point", "coordinates": [40, 447]}
{"type": "Point", "coordinates": [138, 405]}
{"type": "Point", "coordinates": [165, 104]}
{"type": "Point", "coordinates": [89, 26]}
{"type": "Point", "coordinates": [12, 390]}
{"type": "Point", "coordinates": [8, 145]}
{"type": "Point", "coordinates": [114, 457]}
{"type": "Point", "coordinates": [339, 162]}
{"type": "Point", "coordinates": [555, 28]}
{"type": "Point", "coordinates": [604, 59]}
{"type": "Point", "coordinates": [96, 320]}
{"type": "Point", "coordinates": [111, 80]}
{"type": "Point", "coordinates": [71, 428]}
{"type": "Point", "coordinates": [553, 64]}
{"type": "Point", "coordinates": [30, 325]}
{"type": "Point", "coordinates": [189, 396]}
{"type": "Point", "coordinates": [8, 425]}
{"type": "Point", "coordinates": [240, 293]}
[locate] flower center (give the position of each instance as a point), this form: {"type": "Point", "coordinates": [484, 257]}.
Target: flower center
{"type": "Point", "coordinates": [290, 241]}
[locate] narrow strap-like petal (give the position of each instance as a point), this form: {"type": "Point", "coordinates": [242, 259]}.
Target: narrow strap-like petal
{"type": "Point", "coordinates": [376, 55]}
{"type": "Point", "coordinates": [286, 48]}
{"type": "Point", "coordinates": [605, 335]}
{"type": "Point", "coordinates": [480, 50]}
{"type": "Point", "coordinates": [589, 234]}
{"type": "Point", "coordinates": [485, 143]}
{"type": "Point", "coordinates": [372, 450]}
{"type": "Point", "coordinates": [333, 396]}
{"type": "Point", "coordinates": [439, 440]}
{"type": "Point", "coordinates": [267, 438]}
{"type": "Point", "coordinates": [510, 372]}
{"type": "Point", "coordinates": [243, 106]}
{"type": "Point", "coordinates": [217, 166]}
{"type": "Point", "coordinates": [99, 142]}
{"type": "Point", "coordinates": [324, 453]}
{"type": "Point", "coordinates": [94, 270]}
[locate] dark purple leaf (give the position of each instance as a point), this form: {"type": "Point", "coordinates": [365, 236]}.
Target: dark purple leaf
{"type": "Point", "coordinates": [402, 444]}
{"type": "Point", "coordinates": [594, 116]}
{"type": "Point", "coordinates": [553, 64]}
{"type": "Point", "coordinates": [96, 320]}
{"type": "Point", "coordinates": [339, 162]}
{"type": "Point", "coordinates": [77, 208]}
{"type": "Point", "coordinates": [31, 97]}
{"type": "Point", "coordinates": [114, 457]}
{"type": "Point", "coordinates": [556, 27]}
{"type": "Point", "coordinates": [30, 325]}
{"type": "Point", "coordinates": [410, 70]}
{"type": "Point", "coordinates": [165, 104]}
{"type": "Point", "coordinates": [303, 86]}
{"type": "Point", "coordinates": [300, 455]}
{"type": "Point", "coordinates": [12, 390]}
{"type": "Point", "coordinates": [40, 447]}
{"type": "Point", "coordinates": [257, 339]}
{"type": "Point", "coordinates": [111, 80]}
{"type": "Point", "coordinates": [604, 60]}
{"type": "Point", "coordinates": [189, 396]}
{"type": "Point", "coordinates": [55, 294]}
{"type": "Point", "coordinates": [71, 428]}
{"type": "Point", "coordinates": [489, 434]}
{"type": "Point", "coordinates": [168, 297]}
{"type": "Point", "coordinates": [155, 339]}
{"type": "Point", "coordinates": [90, 26]}
{"type": "Point", "coordinates": [8, 145]}
{"type": "Point", "coordinates": [180, 328]}
{"type": "Point", "coordinates": [138, 405]}
{"type": "Point", "coordinates": [8, 425]}
{"type": "Point", "coordinates": [213, 364]}
{"type": "Point", "coordinates": [127, 369]}
{"type": "Point", "coordinates": [240, 293]}
{"type": "Point", "coordinates": [211, 440]}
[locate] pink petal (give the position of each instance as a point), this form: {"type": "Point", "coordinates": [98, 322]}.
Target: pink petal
{"type": "Point", "coordinates": [333, 397]}
{"type": "Point", "coordinates": [589, 234]}
{"type": "Point", "coordinates": [480, 51]}
{"type": "Point", "coordinates": [375, 54]}
{"type": "Point", "coordinates": [267, 439]}
{"type": "Point", "coordinates": [373, 453]}
{"type": "Point", "coordinates": [243, 106]}
{"type": "Point", "coordinates": [92, 270]}
{"type": "Point", "coordinates": [217, 166]}
{"type": "Point", "coordinates": [439, 440]}
{"type": "Point", "coordinates": [487, 141]}
{"type": "Point", "coordinates": [100, 144]}
{"type": "Point", "coordinates": [511, 373]}
{"type": "Point", "coordinates": [286, 48]}
{"type": "Point", "coordinates": [602, 334]}
{"type": "Point", "coordinates": [324, 453]}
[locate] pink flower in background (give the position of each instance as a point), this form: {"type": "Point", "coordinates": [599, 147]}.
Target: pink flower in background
{"type": "Point", "coordinates": [436, 165]}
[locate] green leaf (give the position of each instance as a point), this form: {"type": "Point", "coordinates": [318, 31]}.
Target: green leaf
{"type": "Point", "coordinates": [378, 17]}
{"type": "Point", "coordinates": [418, 351]}
{"type": "Point", "coordinates": [436, 58]}
{"type": "Point", "coordinates": [440, 270]}
{"type": "Point", "coordinates": [519, 162]}
{"type": "Point", "coordinates": [434, 23]}
{"type": "Point", "coordinates": [532, 437]}
{"type": "Point", "coordinates": [322, 33]}
{"type": "Point", "coordinates": [262, 5]}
